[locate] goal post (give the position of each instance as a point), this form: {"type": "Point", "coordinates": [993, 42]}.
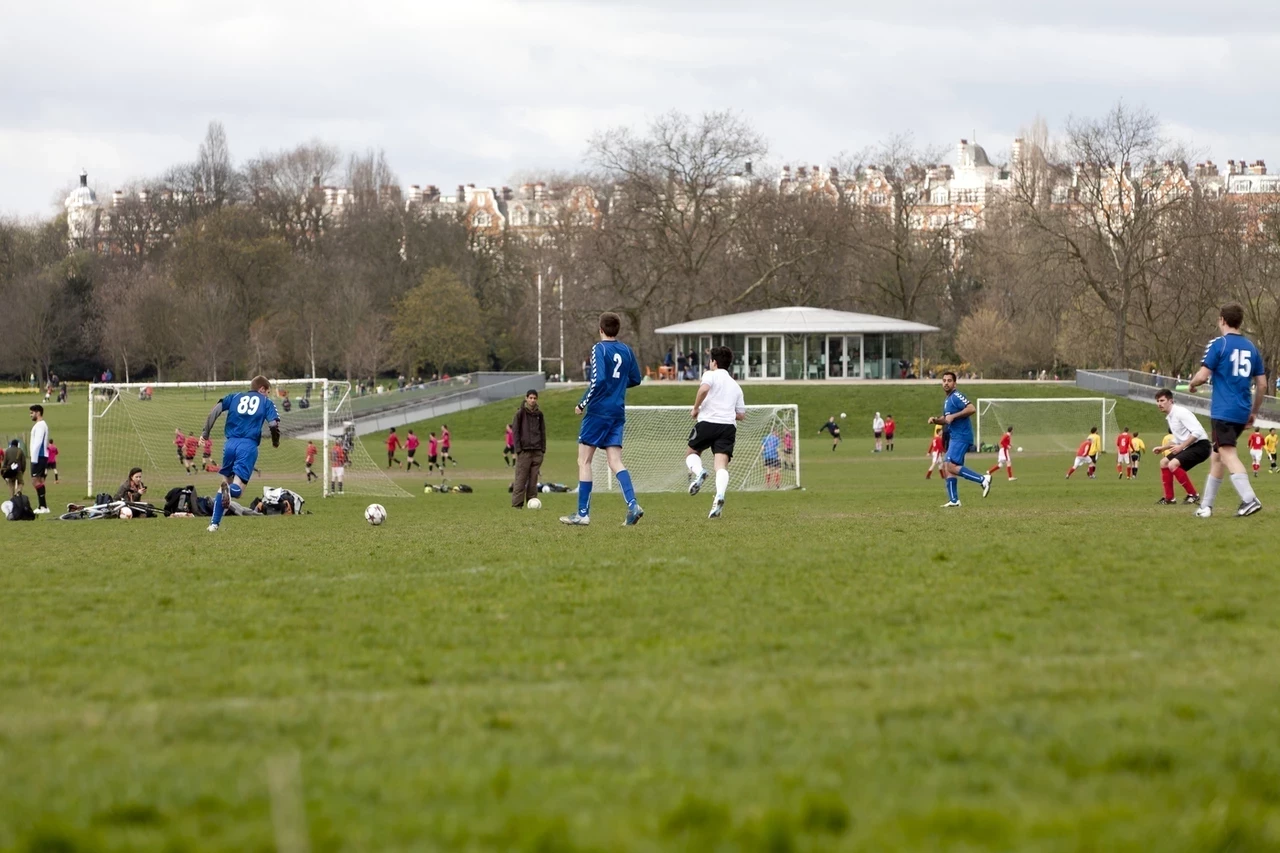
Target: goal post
{"type": "Point", "coordinates": [656, 440]}
{"type": "Point", "coordinates": [136, 424]}
{"type": "Point", "coordinates": [1045, 424]}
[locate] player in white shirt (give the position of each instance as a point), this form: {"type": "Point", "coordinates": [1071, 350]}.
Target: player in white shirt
{"type": "Point", "coordinates": [716, 410]}
{"type": "Point", "coordinates": [1190, 447]}
{"type": "Point", "coordinates": [39, 456]}
{"type": "Point", "coordinates": [877, 430]}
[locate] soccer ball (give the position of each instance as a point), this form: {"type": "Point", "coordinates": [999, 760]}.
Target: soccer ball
{"type": "Point", "coordinates": [1019, 449]}
{"type": "Point", "coordinates": [375, 514]}
{"type": "Point", "coordinates": [842, 416]}
{"type": "Point", "coordinates": [546, 490]}
{"type": "Point", "coordinates": [5, 509]}
{"type": "Point", "coordinates": [126, 513]}
{"type": "Point", "coordinates": [534, 503]}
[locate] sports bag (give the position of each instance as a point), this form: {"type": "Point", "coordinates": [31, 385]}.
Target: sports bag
{"type": "Point", "coordinates": [22, 510]}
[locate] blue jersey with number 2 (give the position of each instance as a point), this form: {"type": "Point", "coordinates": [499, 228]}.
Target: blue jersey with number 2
{"type": "Point", "coordinates": [613, 370]}
{"type": "Point", "coordinates": [1234, 361]}
{"type": "Point", "coordinates": [247, 412]}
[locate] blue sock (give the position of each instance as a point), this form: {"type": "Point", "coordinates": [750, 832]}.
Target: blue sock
{"type": "Point", "coordinates": [970, 475]}
{"type": "Point", "coordinates": [218, 508]}
{"type": "Point", "coordinates": [584, 497]}
{"type": "Point", "coordinates": [953, 488]}
{"type": "Point", "coordinates": [628, 491]}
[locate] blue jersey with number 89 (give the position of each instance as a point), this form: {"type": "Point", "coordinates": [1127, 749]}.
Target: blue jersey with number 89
{"type": "Point", "coordinates": [247, 412]}
{"type": "Point", "coordinates": [613, 370]}
{"type": "Point", "coordinates": [1234, 361]}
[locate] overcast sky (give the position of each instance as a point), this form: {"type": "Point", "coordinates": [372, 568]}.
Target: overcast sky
{"type": "Point", "coordinates": [475, 91]}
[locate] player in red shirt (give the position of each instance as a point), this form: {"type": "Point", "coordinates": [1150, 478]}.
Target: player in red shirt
{"type": "Point", "coordinates": [411, 447]}
{"type": "Point", "coordinates": [889, 427]}
{"type": "Point", "coordinates": [189, 449]}
{"type": "Point", "coordinates": [393, 444]}
{"type": "Point", "coordinates": [934, 454]}
{"type": "Point", "coordinates": [339, 468]}
{"type": "Point", "coordinates": [53, 460]}
{"type": "Point", "coordinates": [1004, 455]}
{"type": "Point", "coordinates": [509, 448]}
{"type": "Point", "coordinates": [310, 460]}
{"type": "Point", "coordinates": [178, 441]}
{"type": "Point", "coordinates": [1082, 457]}
{"type": "Point", "coordinates": [1124, 446]}
{"type": "Point", "coordinates": [206, 448]}
{"type": "Point", "coordinates": [433, 451]}
{"type": "Point", "coordinates": [1256, 443]}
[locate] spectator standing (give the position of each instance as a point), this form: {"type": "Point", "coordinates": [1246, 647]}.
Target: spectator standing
{"type": "Point", "coordinates": [15, 467]}
{"type": "Point", "coordinates": [530, 435]}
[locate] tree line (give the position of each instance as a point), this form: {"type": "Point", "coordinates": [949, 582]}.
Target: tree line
{"type": "Point", "coordinates": [1100, 251]}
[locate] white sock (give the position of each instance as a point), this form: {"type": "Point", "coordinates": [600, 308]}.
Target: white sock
{"type": "Point", "coordinates": [1241, 482]}
{"type": "Point", "coordinates": [1210, 493]}
{"type": "Point", "coordinates": [694, 463]}
{"type": "Point", "coordinates": [722, 483]}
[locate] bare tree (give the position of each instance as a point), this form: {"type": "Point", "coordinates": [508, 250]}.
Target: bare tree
{"type": "Point", "coordinates": [288, 188]}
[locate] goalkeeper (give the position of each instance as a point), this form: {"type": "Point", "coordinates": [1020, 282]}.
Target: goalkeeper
{"type": "Point", "coordinates": [247, 413]}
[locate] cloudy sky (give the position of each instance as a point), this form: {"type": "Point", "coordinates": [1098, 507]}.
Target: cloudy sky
{"type": "Point", "coordinates": [475, 91]}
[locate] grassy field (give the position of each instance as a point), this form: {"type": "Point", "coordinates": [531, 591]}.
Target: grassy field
{"type": "Point", "coordinates": [1062, 666]}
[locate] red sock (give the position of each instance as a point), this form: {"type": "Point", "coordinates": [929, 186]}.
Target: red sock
{"type": "Point", "coordinates": [928, 474]}
{"type": "Point", "coordinates": [1166, 477]}
{"type": "Point", "coordinates": [1070, 471]}
{"type": "Point", "coordinates": [1092, 470]}
{"type": "Point", "coordinates": [1184, 481]}
{"type": "Point", "coordinates": [993, 469]}
{"type": "Point", "coordinates": [1010, 470]}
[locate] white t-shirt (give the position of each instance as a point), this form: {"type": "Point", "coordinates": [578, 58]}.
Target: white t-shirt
{"type": "Point", "coordinates": [723, 400]}
{"type": "Point", "coordinates": [877, 425]}
{"type": "Point", "coordinates": [1184, 424]}
{"type": "Point", "coordinates": [39, 441]}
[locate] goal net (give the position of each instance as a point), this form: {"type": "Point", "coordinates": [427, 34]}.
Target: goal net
{"type": "Point", "coordinates": [656, 439]}
{"type": "Point", "coordinates": [1046, 424]}
{"type": "Point", "coordinates": [135, 425]}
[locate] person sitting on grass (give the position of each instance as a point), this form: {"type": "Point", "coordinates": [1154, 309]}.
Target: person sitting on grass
{"type": "Point", "coordinates": [132, 489]}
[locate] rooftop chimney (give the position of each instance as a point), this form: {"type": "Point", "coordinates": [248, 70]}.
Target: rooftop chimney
{"type": "Point", "coordinates": [747, 169]}
{"type": "Point", "coordinates": [117, 198]}
{"type": "Point", "coordinates": [1258, 168]}
{"type": "Point", "coordinates": [415, 193]}
{"type": "Point", "coordinates": [84, 178]}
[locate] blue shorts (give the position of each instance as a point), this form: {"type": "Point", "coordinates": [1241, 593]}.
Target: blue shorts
{"type": "Point", "coordinates": [956, 451]}
{"type": "Point", "coordinates": [601, 432]}
{"type": "Point", "coordinates": [239, 455]}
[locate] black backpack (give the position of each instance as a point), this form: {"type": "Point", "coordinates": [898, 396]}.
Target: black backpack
{"type": "Point", "coordinates": [180, 499]}
{"type": "Point", "coordinates": [22, 510]}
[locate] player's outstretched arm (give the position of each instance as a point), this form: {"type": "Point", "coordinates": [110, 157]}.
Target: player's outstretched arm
{"type": "Point", "coordinates": [217, 411]}
{"type": "Point", "coordinates": [593, 384]}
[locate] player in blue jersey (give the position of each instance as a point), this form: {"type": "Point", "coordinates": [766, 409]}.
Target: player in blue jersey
{"type": "Point", "coordinates": [956, 411]}
{"type": "Point", "coordinates": [247, 412]}
{"type": "Point", "coordinates": [1234, 366]}
{"type": "Point", "coordinates": [604, 406]}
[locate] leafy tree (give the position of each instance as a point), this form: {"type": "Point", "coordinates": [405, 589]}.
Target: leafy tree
{"type": "Point", "coordinates": [438, 324]}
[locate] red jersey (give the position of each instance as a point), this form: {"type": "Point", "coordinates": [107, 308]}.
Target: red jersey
{"type": "Point", "coordinates": [207, 444]}
{"type": "Point", "coordinates": [935, 446]}
{"type": "Point", "coordinates": [888, 427]}
{"type": "Point", "coordinates": [1255, 443]}
{"type": "Point", "coordinates": [444, 439]}
{"type": "Point", "coordinates": [411, 443]}
{"type": "Point", "coordinates": [393, 443]}
{"type": "Point", "coordinates": [339, 456]}
{"type": "Point", "coordinates": [1005, 441]}
{"type": "Point", "coordinates": [431, 445]}
{"type": "Point", "coordinates": [1083, 449]}
{"type": "Point", "coordinates": [1124, 441]}
{"type": "Point", "coordinates": [511, 438]}
{"type": "Point", "coordinates": [179, 440]}
{"type": "Point", "coordinates": [192, 443]}
{"type": "Point", "coordinates": [311, 453]}
{"type": "Point", "coordinates": [53, 453]}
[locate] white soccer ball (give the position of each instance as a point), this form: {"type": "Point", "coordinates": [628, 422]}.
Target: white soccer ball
{"type": "Point", "coordinates": [546, 490]}
{"type": "Point", "coordinates": [5, 509]}
{"type": "Point", "coordinates": [375, 514]}
{"type": "Point", "coordinates": [126, 513]}
{"type": "Point", "coordinates": [842, 416]}
{"type": "Point", "coordinates": [534, 503]}
{"type": "Point", "coordinates": [1019, 449]}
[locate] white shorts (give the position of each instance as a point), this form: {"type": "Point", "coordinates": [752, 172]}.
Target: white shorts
{"type": "Point", "coordinates": [1002, 457]}
{"type": "Point", "coordinates": [1082, 460]}
{"type": "Point", "coordinates": [1256, 455]}
{"type": "Point", "coordinates": [1122, 458]}
{"type": "Point", "coordinates": [936, 457]}
{"type": "Point", "coordinates": [338, 472]}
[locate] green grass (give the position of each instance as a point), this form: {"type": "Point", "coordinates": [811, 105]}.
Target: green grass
{"type": "Point", "coordinates": [1063, 666]}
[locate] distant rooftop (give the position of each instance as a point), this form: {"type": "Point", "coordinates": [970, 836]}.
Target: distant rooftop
{"type": "Point", "coordinates": [797, 321]}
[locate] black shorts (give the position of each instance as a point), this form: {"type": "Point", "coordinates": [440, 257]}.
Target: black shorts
{"type": "Point", "coordinates": [876, 434]}
{"type": "Point", "coordinates": [1225, 433]}
{"type": "Point", "coordinates": [1093, 459]}
{"type": "Point", "coordinates": [410, 453]}
{"type": "Point", "coordinates": [772, 463]}
{"type": "Point", "coordinates": [431, 460]}
{"type": "Point", "coordinates": [888, 436]}
{"type": "Point", "coordinates": [39, 469]}
{"type": "Point", "coordinates": [718, 437]}
{"type": "Point", "coordinates": [1194, 455]}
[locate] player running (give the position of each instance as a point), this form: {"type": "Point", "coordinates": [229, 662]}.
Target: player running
{"type": "Point", "coordinates": [832, 427]}
{"type": "Point", "coordinates": [446, 442]}
{"type": "Point", "coordinates": [1082, 458]}
{"type": "Point", "coordinates": [189, 449]}
{"type": "Point", "coordinates": [1185, 447]}
{"type": "Point", "coordinates": [206, 454]}
{"type": "Point", "coordinates": [338, 468]}
{"type": "Point", "coordinates": [935, 453]}
{"type": "Point", "coordinates": [604, 413]}
{"type": "Point", "coordinates": [310, 460]}
{"type": "Point", "coordinates": [1124, 446]}
{"type": "Point", "coordinates": [247, 412]}
{"type": "Point", "coordinates": [509, 447]}
{"type": "Point", "coordinates": [180, 441]}
{"type": "Point", "coordinates": [393, 444]}
{"type": "Point", "coordinates": [716, 411]}
{"type": "Point", "coordinates": [410, 448]}
{"type": "Point", "coordinates": [956, 411]}
{"type": "Point", "coordinates": [1269, 445]}
{"type": "Point", "coordinates": [433, 453]}
{"type": "Point", "coordinates": [1135, 455]}
{"type": "Point", "coordinates": [1004, 455]}
{"type": "Point", "coordinates": [1256, 444]}
{"type": "Point", "coordinates": [1239, 379]}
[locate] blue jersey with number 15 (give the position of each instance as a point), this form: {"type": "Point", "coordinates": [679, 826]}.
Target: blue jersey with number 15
{"type": "Point", "coordinates": [1234, 361]}
{"type": "Point", "coordinates": [613, 370]}
{"type": "Point", "coordinates": [247, 412]}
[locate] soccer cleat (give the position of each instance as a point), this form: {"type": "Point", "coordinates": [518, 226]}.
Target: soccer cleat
{"type": "Point", "coordinates": [986, 485]}
{"type": "Point", "coordinates": [1204, 512]}
{"type": "Point", "coordinates": [575, 519]}
{"type": "Point", "coordinates": [949, 504]}
{"type": "Point", "coordinates": [213, 528]}
{"type": "Point", "coordinates": [1249, 507]}
{"type": "Point", "coordinates": [633, 516]}
{"type": "Point", "coordinates": [41, 510]}
{"type": "Point", "coordinates": [716, 509]}
{"type": "Point", "coordinates": [1165, 502]}
{"type": "Point", "coordinates": [1191, 499]}
{"type": "Point", "coordinates": [1013, 479]}
{"type": "Point", "coordinates": [696, 485]}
